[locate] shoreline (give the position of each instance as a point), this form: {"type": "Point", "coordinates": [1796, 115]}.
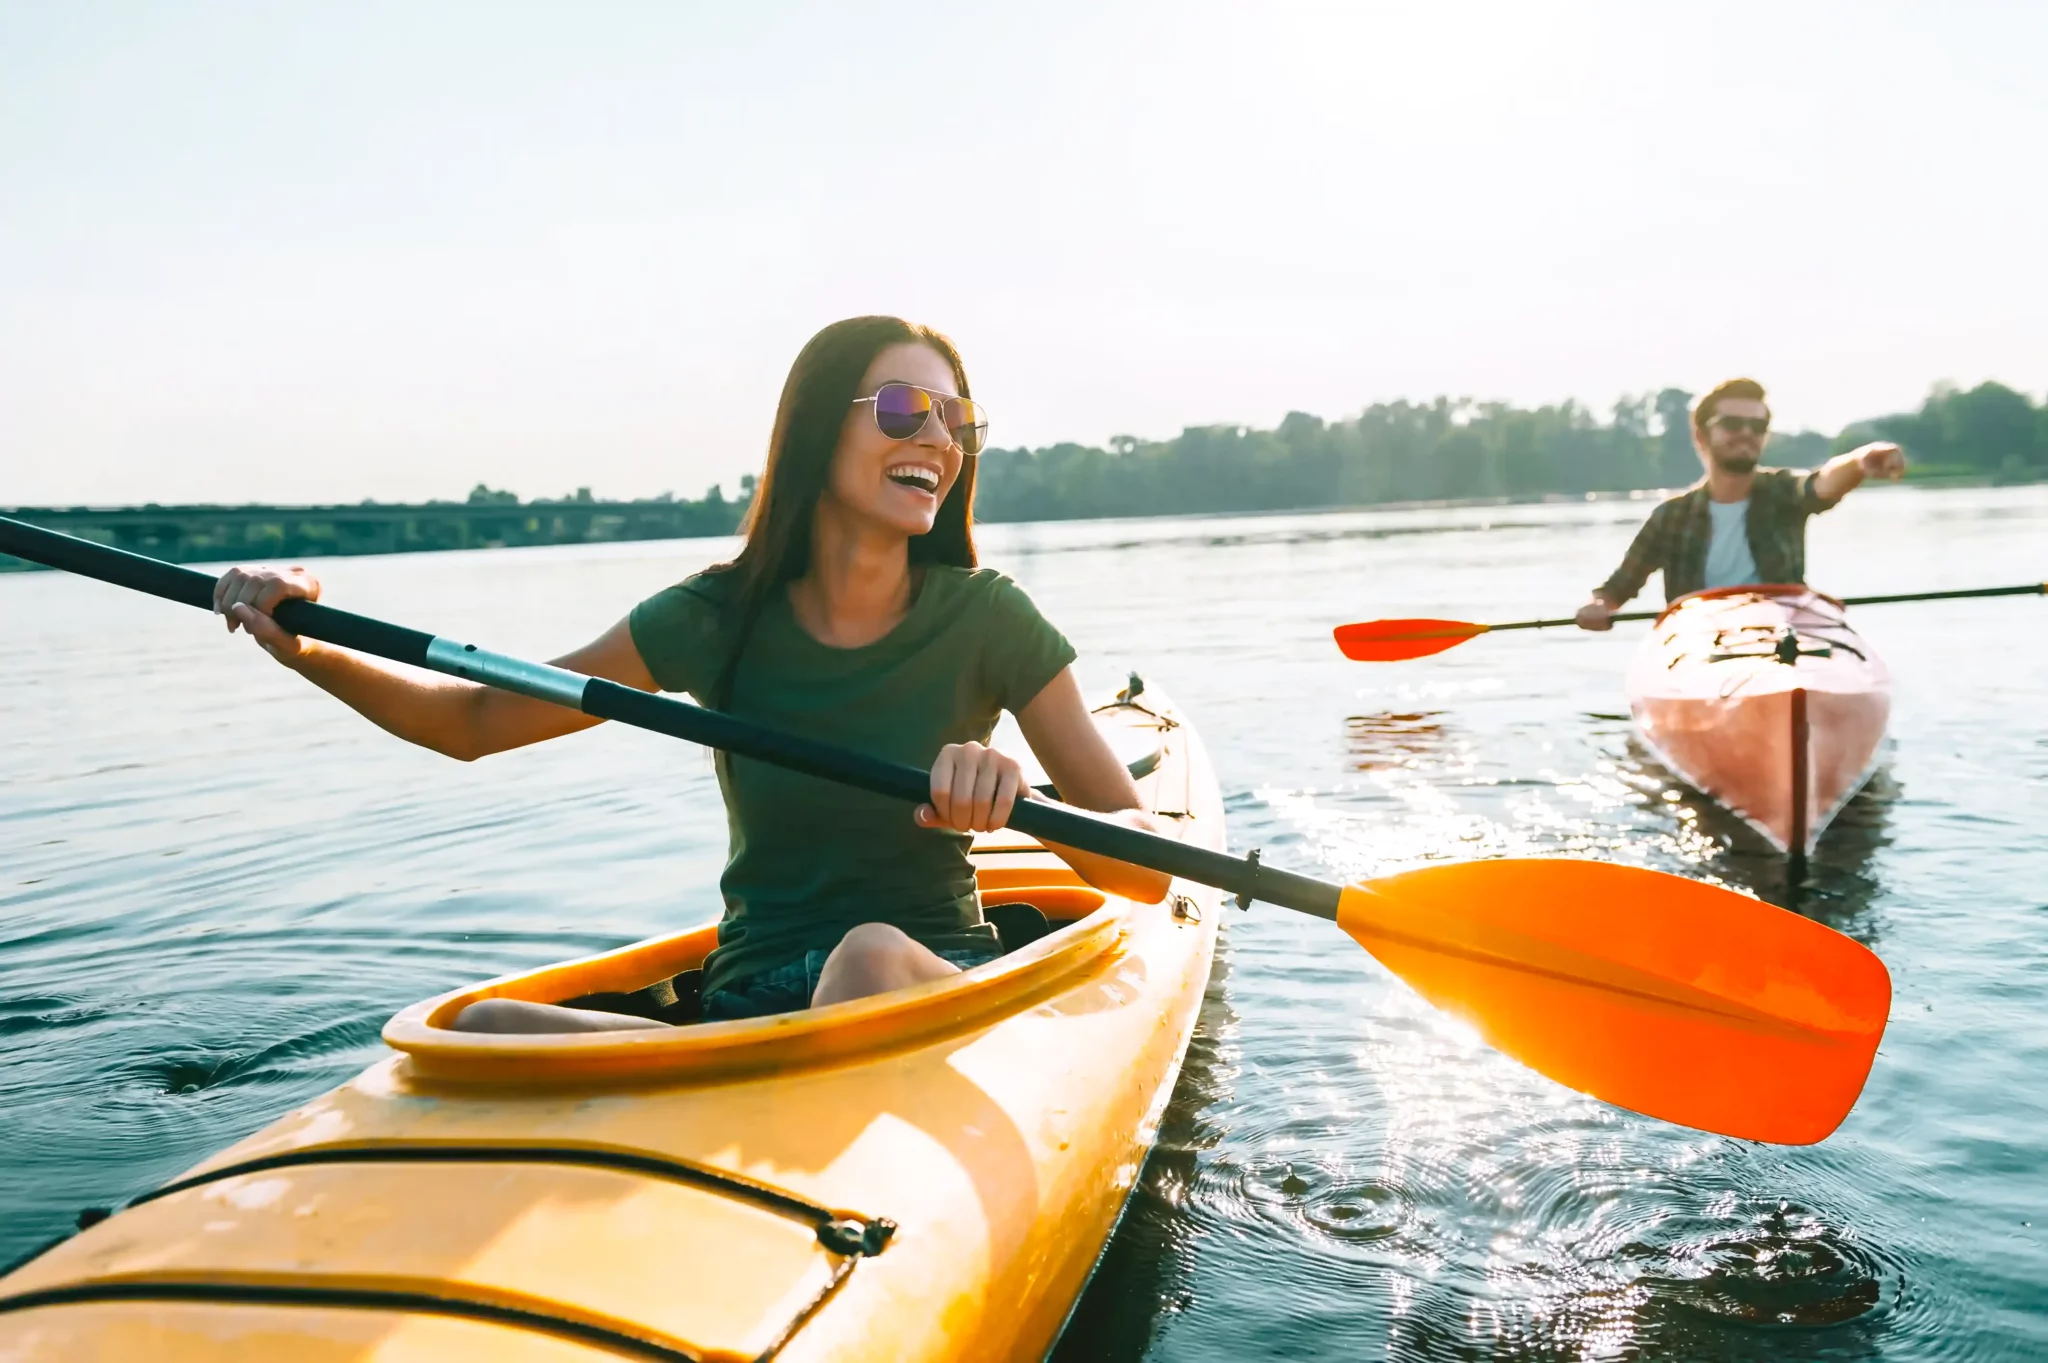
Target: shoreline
{"type": "Point", "coordinates": [203, 533]}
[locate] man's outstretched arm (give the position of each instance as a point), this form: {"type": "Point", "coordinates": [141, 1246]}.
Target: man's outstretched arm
{"type": "Point", "coordinates": [1845, 473]}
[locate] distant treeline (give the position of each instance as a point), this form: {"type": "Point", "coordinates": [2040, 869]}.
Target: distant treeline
{"type": "Point", "coordinates": [1391, 452]}
{"type": "Point", "coordinates": [1990, 431]}
{"type": "Point", "coordinates": [488, 520]}
{"type": "Point", "coordinates": [1399, 452]}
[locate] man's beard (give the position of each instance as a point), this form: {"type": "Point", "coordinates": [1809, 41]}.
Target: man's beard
{"type": "Point", "coordinates": [1735, 463]}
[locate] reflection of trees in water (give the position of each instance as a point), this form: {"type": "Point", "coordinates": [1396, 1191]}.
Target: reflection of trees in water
{"type": "Point", "coordinates": [1839, 880]}
{"type": "Point", "coordinates": [1142, 1278]}
{"type": "Point", "coordinates": [1385, 740]}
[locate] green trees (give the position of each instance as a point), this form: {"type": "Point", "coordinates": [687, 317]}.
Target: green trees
{"type": "Point", "coordinates": [1391, 452]}
{"type": "Point", "coordinates": [1675, 455]}
{"type": "Point", "coordinates": [1990, 430]}
{"type": "Point", "coordinates": [1406, 451]}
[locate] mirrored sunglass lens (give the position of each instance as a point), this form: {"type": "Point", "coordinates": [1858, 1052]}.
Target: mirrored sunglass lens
{"type": "Point", "coordinates": [900, 410]}
{"type": "Point", "coordinates": [968, 423]}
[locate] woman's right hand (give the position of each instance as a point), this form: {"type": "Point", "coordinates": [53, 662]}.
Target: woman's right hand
{"type": "Point", "coordinates": [247, 596]}
{"type": "Point", "coordinates": [974, 788]}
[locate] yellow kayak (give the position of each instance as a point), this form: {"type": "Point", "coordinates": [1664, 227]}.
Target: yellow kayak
{"type": "Point", "coordinates": [928, 1174]}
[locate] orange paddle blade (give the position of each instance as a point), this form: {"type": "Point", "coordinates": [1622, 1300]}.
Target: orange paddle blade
{"type": "Point", "coordinates": [1667, 996]}
{"type": "Point", "coordinates": [1392, 641]}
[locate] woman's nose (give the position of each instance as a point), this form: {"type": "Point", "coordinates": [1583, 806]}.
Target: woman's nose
{"type": "Point", "coordinates": [933, 434]}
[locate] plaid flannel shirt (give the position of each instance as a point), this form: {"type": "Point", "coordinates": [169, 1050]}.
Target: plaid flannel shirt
{"type": "Point", "coordinates": [1676, 536]}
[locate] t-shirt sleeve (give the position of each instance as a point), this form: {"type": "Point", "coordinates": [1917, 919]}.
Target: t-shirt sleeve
{"type": "Point", "coordinates": [678, 634]}
{"type": "Point", "coordinates": [1022, 651]}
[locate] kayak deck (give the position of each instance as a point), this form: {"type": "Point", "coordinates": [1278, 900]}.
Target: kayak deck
{"type": "Point", "coordinates": [1767, 700]}
{"type": "Point", "coordinates": [928, 1174]}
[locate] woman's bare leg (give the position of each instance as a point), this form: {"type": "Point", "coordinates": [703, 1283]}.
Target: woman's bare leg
{"type": "Point", "coordinates": [873, 959]}
{"type": "Point", "coordinates": [513, 1015]}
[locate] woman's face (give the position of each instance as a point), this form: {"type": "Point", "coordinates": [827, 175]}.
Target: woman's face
{"type": "Point", "coordinates": [897, 483]}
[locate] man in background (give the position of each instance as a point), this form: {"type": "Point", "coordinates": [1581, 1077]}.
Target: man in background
{"type": "Point", "coordinates": [1740, 524]}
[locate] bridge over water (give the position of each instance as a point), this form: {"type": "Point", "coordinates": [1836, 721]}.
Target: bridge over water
{"type": "Point", "coordinates": [185, 534]}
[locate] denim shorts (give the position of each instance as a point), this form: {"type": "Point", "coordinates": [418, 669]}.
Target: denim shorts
{"type": "Point", "coordinates": [788, 988]}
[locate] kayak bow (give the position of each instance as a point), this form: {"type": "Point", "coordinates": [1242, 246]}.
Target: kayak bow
{"type": "Point", "coordinates": [1767, 700]}
{"type": "Point", "coordinates": [923, 1175]}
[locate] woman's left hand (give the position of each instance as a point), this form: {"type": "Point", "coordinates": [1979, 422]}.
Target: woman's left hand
{"type": "Point", "coordinates": [973, 789]}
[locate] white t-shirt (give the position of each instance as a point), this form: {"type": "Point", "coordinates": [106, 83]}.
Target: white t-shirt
{"type": "Point", "coordinates": [1729, 562]}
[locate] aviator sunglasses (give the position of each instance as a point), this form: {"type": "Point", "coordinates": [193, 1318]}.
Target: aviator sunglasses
{"type": "Point", "coordinates": [901, 410]}
{"type": "Point", "coordinates": [1734, 425]}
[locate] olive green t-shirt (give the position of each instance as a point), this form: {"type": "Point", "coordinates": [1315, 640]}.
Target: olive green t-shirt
{"type": "Point", "coordinates": [810, 858]}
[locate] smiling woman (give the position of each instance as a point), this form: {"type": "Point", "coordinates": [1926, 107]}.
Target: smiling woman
{"type": "Point", "coordinates": [856, 614]}
{"type": "Point", "coordinates": [832, 477]}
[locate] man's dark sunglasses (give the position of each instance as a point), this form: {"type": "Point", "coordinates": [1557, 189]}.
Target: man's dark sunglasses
{"type": "Point", "coordinates": [1755, 425]}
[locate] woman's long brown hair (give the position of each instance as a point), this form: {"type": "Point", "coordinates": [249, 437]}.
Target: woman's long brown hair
{"type": "Point", "coordinates": [816, 398]}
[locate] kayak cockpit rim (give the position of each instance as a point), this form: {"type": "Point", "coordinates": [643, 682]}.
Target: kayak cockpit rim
{"type": "Point", "coordinates": [833, 1033]}
{"type": "Point", "coordinates": [1757, 589]}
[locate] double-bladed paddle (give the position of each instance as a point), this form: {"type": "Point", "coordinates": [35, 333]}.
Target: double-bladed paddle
{"type": "Point", "coordinates": [1668, 996]}
{"type": "Point", "coordinates": [1393, 641]}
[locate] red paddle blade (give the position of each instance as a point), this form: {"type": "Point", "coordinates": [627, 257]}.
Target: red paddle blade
{"type": "Point", "coordinates": [1391, 641]}
{"type": "Point", "coordinates": [1660, 994]}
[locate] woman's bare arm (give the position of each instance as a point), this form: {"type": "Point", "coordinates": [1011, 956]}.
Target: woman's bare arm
{"type": "Point", "coordinates": [460, 719]}
{"type": "Point", "coordinates": [1057, 725]}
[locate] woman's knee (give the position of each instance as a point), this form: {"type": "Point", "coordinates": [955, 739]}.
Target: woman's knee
{"type": "Point", "coordinates": [488, 1015]}
{"type": "Point", "coordinates": [540, 1019]}
{"type": "Point", "coordinates": [874, 944]}
{"type": "Point", "coordinates": [874, 958]}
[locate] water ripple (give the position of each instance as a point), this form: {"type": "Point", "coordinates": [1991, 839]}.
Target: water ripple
{"type": "Point", "coordinates": [209, 903]}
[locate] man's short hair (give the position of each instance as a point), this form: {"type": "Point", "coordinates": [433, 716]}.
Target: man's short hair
{"type": "Point", "coordinates": [1703, 410]}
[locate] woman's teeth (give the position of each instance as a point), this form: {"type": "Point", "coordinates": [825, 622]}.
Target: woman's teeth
{"type": "Point", "coordinates": [924, 480]}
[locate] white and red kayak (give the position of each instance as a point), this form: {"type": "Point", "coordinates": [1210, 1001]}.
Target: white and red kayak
{"type": "Point", "coordinates": [1767, 700]}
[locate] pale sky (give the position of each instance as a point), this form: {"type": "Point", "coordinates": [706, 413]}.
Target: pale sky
{"type": "Point", "coordinates": [309, 251]}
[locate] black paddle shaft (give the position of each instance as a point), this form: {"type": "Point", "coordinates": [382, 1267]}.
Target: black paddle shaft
{"type": "Point", "coordinates": [1044, 820]}
{"type": "Point", "coordinates": [2029, 589]}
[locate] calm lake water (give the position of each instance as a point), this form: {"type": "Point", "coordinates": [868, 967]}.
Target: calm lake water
{"type": "Point", "coordinates": [216, 884]}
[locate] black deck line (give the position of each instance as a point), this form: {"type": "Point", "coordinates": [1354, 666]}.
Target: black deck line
{"type": "Point", "coordinates": [874, 1231]}
{"type": "Point", "coordinates": [430, 1152]}
{"type": "Point", "coordinates": [840, 1274]}
{"type": "Point", "coordinates": [361, 1299]}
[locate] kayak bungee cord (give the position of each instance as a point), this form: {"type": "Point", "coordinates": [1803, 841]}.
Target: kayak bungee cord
{"type": "Point", "coordinates": [1668, 996]}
